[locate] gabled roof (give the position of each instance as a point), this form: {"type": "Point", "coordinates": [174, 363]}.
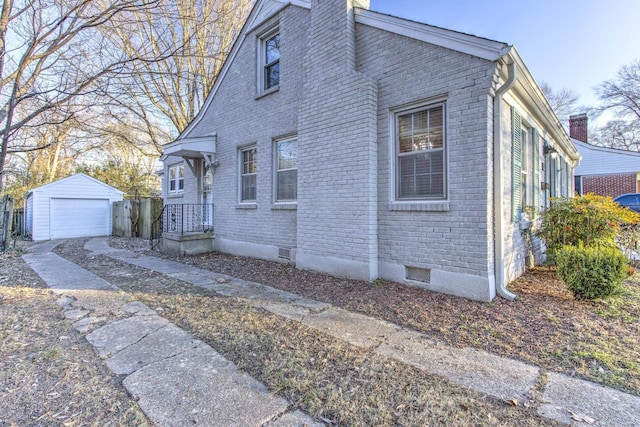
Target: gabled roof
{"type": "Point", "coordinates": [602, 160]}
{"type": "Point", "coordinates": [263, 10]}
{"type": "Point", "coordinates": [526, 86]}
{"type": "Point", "coordinates": [72, 178]}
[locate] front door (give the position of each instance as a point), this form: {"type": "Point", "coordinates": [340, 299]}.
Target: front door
{"type": "Point", "coordinates": [207, 196]}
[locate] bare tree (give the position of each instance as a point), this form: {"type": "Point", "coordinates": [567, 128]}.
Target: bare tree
{"type": "Point", "coordinates": [622, 94]}
{"type": "Point", "coordinates": [173, 90]}
{"type": "Point", "coordinates": [564, 102]}
{"type": "Point", "coordinates": [42, 154]}
{"type": "Point", "coordinates": [51, 55]}
{"type": "Point", "coordinates": [127, 161]}
{"type": "Point", "coordinates": [621, 134]}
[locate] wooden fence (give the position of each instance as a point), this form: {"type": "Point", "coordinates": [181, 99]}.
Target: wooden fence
{"type": "Point", "coordinates": [133, 218]}
{"type": "Point", "coordinates": [6, 220]}
{"type": "Point", "coordinates": [18, 222]}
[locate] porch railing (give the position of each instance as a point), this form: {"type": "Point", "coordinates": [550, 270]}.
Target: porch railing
{"type": "Point", "coordinates": [183, 218]}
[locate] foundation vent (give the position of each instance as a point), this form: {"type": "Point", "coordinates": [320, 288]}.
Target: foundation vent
{"type": "Point", "coordinates": [419, 274]}
{"type": "Point", "coordinates": [284, 253]}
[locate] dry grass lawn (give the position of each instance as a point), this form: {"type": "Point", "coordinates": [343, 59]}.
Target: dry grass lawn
{"type": "Point", "coordinates": [50, 375]}
{"type": "Point", "coordinates": [55, 378]}
{"type": "Point", "coordinates": [545, 326]}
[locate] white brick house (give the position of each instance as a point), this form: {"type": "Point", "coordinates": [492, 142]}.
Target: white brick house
{"type": "Point", "coordinates": [369, 146]}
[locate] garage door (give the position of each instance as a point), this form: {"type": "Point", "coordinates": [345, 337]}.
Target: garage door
{"type": "Point", "coordinates": [79, 218]}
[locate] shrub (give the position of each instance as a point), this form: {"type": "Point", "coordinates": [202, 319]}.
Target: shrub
{"type": "Point", "coordinates": [587, 220]}
{"type": "Point", "coordinates": [592, 272]}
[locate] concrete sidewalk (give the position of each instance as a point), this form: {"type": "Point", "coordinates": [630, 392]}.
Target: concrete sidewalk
{"type": "Point", "coordinates": [565, 399]}
{"type": "Point", "coordinates": [177, 380]}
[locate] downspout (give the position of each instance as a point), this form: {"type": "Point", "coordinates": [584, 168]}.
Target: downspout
{"type": "Point", "coordinates": [498, 205]}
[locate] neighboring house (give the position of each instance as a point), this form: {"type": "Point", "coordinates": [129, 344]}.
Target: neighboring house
{"type": "Point", "coordinates": [603, 171]}
{"type": "Point", "coordinates": [76, 206]}
{"type": "Point", "coordinates": [367, 146]}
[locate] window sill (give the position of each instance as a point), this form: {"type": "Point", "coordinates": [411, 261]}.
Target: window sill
{"type": "Point", "coordinates": [175, 195]}
{"type": "Point", "coordinates": [285, 206]}
{"type": "Point", "coordinates": [440, 206]}
{"type": "Point", "coordinates": [525, 224]}
{"type": "Point", "coordinates": [247, 206]}
{"type": "Point", "coordinates": [267, 92]}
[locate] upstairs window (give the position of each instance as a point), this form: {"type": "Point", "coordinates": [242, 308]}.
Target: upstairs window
{"type": "Point", "coordinates": [286, 170]}
{"type": "Point", "coordinates": [270, 60]}
{"type": "Point", "coordinates": [420, 154]}
{"type": "Point", "coordinates": [176, 179]}
{"type": "Point", "coordinates": [248, 174]}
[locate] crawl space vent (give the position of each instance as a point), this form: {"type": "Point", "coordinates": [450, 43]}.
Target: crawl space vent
{"type": "Point", "coordinates": [284, 253]}
{"type": "Point", "coordinates": [419, 274]}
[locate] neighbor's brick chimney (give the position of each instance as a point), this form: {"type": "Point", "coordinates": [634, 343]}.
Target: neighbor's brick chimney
{"type": "Point", "coordinates": [578, 127]}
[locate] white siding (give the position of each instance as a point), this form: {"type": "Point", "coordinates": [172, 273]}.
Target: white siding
{"type": "Point", "coordinates": [80, 188]}
{"type": "Point", "coordinates": [600, 160]}
{"type": "Point", "coordinates": [28, 215]}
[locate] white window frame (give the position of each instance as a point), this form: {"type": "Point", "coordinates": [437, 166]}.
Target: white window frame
{"type": "Point", "coordinates": [277, 171]}
{"type": "Point", "coordinates": [262, 60]}
{"type": "Point", "coordinates": [395, 151]}
{"type": "Point", "coordinates": [177, 180]}
{"type": "Point", "coordinates": [242, 174]}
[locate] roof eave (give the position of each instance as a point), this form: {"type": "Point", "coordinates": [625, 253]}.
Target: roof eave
{"type": "Point", "coordinates": [466, 43]}
{"type": "Point", "coordinates": [530, 93]}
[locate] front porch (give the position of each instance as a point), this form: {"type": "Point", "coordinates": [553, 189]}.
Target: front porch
{"type": "Point", "coordinates": [185, 229]}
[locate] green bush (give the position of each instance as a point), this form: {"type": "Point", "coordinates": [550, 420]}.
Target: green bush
{"type": "Point", "coordinates": [592, 272]}
{"type": "Point", "coordinates": [588, 220]}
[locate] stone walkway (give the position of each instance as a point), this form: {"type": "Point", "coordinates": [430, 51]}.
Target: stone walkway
{"type": "Point", "coordinates": [182, 381]}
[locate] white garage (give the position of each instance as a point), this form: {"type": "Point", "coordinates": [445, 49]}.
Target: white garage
{"type": "Point", "coordinates": [77, 206]}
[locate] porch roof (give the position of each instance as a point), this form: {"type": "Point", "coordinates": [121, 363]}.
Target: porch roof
{"type": "Point", "coordinates": [193, 147]}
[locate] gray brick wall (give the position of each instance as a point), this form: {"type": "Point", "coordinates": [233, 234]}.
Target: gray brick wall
{"type": "Point", "coordinates": [340, 85]}
{"type": "Point", "coordinates": [240, 117]}
{"type": "Point", "coordinates": [408, 72]}
{"type": "Point", "coordinates": [191, 189]}
{"type": "Point", "coordinates": [337, 151]}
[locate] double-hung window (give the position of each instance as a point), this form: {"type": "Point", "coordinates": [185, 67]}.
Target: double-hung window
{"type": "Point", "coordinates": [526, 167]}
{"type": "Point", "coordinates": [176, 179]}
{"type": "Point", "coordinates": [248, 174]}
{"type": "Point", "coordinates": [286, 170]}
{"type": "Point", "coordinates": [420, 154]}
{"type": "Point", "coordinates": [270, 60]}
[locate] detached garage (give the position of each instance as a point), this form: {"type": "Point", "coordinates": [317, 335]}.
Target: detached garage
{"type": "Point", "coordinates": [77, 206]}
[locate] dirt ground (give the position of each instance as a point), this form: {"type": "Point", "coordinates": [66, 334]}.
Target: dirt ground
{"type": "Point", "coordinates": [55, 378]}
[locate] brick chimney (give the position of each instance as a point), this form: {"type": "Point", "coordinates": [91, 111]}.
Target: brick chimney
{"type": "Point", "coordinates": [578, 127]}
{"type": "Point", "coordinates": [337, 128]}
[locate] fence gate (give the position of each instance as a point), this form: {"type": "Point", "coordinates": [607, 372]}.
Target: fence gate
{"type": "Point", "coordinates": [6, 221]}
{"type": "Point", "coordinates": [134, 218]}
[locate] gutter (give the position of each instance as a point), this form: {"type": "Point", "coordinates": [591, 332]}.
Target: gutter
{"type": "Point", "coordinates": [498, 205]}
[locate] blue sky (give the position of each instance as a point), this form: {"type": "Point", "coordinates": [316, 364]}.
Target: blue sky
{"type": "Point", "coordinates": [567, 43]}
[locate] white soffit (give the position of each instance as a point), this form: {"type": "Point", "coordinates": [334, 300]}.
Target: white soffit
{"type": "Point", "coordinates": [465, 43]}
